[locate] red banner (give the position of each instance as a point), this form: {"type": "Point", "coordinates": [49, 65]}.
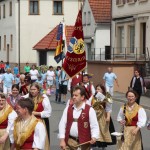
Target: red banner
{"type": "Point", "coordinates": [75, 59]}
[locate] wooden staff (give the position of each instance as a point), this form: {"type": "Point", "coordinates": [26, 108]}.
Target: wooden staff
{"type": "Point", "coordinates": [83, 143]}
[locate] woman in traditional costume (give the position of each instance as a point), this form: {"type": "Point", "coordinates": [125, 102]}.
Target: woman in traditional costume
{"type": "Point", "coordinates": [14, 97]}
{"type": "Point", "coordinates": [42, 106]}
{"type": "Point", "coordinates": [7, 117]}
{"type": "Point", "coordinates": [29, 132]}
{"type": "Point", "coordinates": [132, 118]}
{"type": "Point", "coordinates": [103, 108]}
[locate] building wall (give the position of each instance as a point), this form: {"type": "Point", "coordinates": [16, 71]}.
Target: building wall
{"type": "Point", "coordinates": [141, 14]}
{"type": "Point", "coordinates": [8, 27]}
{"type": "Point", "coordinates": [97, 36]}
{"type": "Point", "coordinates": [102, 39]}
{"type": "Point", "coordinates": [123, 70]}
{"type": "Point", "coordinates": [34, 27]}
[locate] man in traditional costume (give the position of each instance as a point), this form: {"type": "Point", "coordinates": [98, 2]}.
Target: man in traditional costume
{"type": "Point", "coordinates": [132, 118]}
{"type": "Point", "coordinates": [78, 124]}
{"type": "Point", "coordinates": [29, 132]}
{"type": "Point", "coordinates": [7, 117]}
{"type": "Point", "coordinates": [76, 80]}
{"type": "Point", "coordinates": [88, 86]}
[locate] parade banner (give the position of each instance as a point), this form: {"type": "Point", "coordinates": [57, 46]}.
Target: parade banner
{"type": "Point", "coordinates": [75, 59]}
{"type": "Point", "coordinates": [59, 54]}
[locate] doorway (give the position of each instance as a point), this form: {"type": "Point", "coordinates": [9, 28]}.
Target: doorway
{"type": "Point", "coordinates": [42, 58]}
{"type": "Point", "coordinates": [143, 38]}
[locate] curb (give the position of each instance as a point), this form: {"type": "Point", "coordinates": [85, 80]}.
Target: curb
{"type": "Point", "coordinates": [123, 101]}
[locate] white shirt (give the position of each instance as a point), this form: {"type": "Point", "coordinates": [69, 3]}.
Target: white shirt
{"type": "Point", "coordinates": [50, 75]}
{"type": "Point", "coordinates": [39, 136]}
{"type": "Point", "coordinates": [11, 118]}
{"type": "Point", "coordinates": [46, 113]}
{"type": "Point", "coordinates": [34, 74]}
{"type": "Point", "coordinates": [74, 128]}
{"type": "Point", "coordinates": [141, 117]}
{"type": "Point", "coordinates": [70, 80]}
{"type": "Point", "coordinates": [87, 102]}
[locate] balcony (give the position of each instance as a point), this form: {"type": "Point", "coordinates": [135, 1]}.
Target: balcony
{"type": "Point", "coordinates": [118, 54]}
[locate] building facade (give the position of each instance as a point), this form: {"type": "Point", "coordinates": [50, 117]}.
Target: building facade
{"type": "Point", "coordinates": [96, 26]}
{"type": "Point", "coordinates": [24, 23]}
{"type": "Point", "coordinates": [130, 28]}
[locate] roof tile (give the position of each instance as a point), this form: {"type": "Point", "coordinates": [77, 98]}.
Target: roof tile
{"type": "Point", "coordinates": [49, 41]}
{"type": "Point", "coordinates": [101, 10]}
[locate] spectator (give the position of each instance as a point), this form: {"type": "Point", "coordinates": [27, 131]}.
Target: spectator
{"type": "Point", "coordinates": [7, 65]}
{"type": "Point", "coordinates": [108, 79]}
{"type": "Point", "coordinates": [26, 68]}
{"type": "Point", "coordinates": [63, 81]}
{"type": "Point", "coordinates": [16, 70]}
{"type": "Point", "coordinates": [50, 75]}
{"type": "Point", "coordinates": [34, 74]}
{"type": "Point", "coordinates": [7, 80]}
{"type": "Point", "coordinates": [137, 84]}
{"type": "Point", "coordinates": [57, 74]}
{"type": "Point", "coordinates": [2, 67]}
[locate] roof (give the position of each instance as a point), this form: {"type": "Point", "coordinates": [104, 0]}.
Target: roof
{"type": "Point", "coordinates": [101, 10]}
{"type": "Point", "coordinates": [49, 41]}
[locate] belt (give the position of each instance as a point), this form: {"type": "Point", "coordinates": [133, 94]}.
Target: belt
{"type": "Point", "coordinates": [74, 138]}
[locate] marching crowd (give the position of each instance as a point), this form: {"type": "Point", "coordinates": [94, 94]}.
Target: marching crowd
{"type": "Point", "coordinates": [86, 121]}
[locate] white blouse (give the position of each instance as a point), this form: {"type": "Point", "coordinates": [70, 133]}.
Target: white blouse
{"type": "Point", "coordinates": [46, 113]}
{"type": "Point", "coordinates": [141, 117]}
{"type": "Point", "coordinates": [39, 136]}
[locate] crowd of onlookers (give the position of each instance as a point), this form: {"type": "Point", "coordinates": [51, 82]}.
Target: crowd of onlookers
{"type": "Point", "coordinates": [51, 81]}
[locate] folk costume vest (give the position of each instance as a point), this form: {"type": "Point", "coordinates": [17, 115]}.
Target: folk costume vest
{"type": "Point", "coordinates": [4, 116]}
{"type": "Point", "coordinates": [84, 131]}
{"type": "Point", "coordinates": [76, 80]}
{"type": "Point", "coordinates": [24, 132]}
{"type": "Point", "coordinates": [131, 117]}
{"type": "Point", "coordinates": [38, 107]}
{"type": "Point", "coordinates": [88, 90]}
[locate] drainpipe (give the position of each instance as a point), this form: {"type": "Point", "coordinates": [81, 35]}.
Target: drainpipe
{"type": "Point", "coordinates": [19, 34]}
{"type": "Point", "coordinates": [111, 28]}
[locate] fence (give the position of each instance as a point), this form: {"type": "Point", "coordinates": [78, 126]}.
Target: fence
{"type": "Point", "coordinates": [119, 54]}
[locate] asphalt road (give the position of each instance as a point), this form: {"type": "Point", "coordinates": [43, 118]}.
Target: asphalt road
{"type": "Point", "coordinates": [57, 110]}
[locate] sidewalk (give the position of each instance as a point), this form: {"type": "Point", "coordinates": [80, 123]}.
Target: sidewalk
{"type": "Point", "coordinates": [144, 101]}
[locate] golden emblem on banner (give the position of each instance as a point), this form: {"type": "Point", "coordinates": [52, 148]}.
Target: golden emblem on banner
{"type": "Point", "coordinates": [85, 124]}
{"type": "Point", "coordinates": [78, 47]}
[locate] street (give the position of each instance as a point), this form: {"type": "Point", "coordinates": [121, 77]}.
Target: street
{"type": "Point", "coordinates": [57, 110]}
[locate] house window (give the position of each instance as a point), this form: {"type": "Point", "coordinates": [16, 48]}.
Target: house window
{"type": "Point", "coordinates": [132, 38]}
{"type": "Point", "coordinates": [0, 43]}
{"type": "Point", "coordinates": [121, 39]}
{"type": "Point", "coordinates": [11, 41]}
{"type": "Point", "coordinates": [4, 42]}
{"type": "Point", "coordinates": [34, 7]}
{"type": "Point", "coordinates": [58, 7]}
{"type": "Point", "coordinates": [10, 8]}
{"type": "Point", "coordinates": [89, 18]}
{"type": "Point", "coordinates": [84, 18]}
{"type": "Point", "coordinates": [4, 11]}
{"type": "Point", "coordinates": [120, 2]}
